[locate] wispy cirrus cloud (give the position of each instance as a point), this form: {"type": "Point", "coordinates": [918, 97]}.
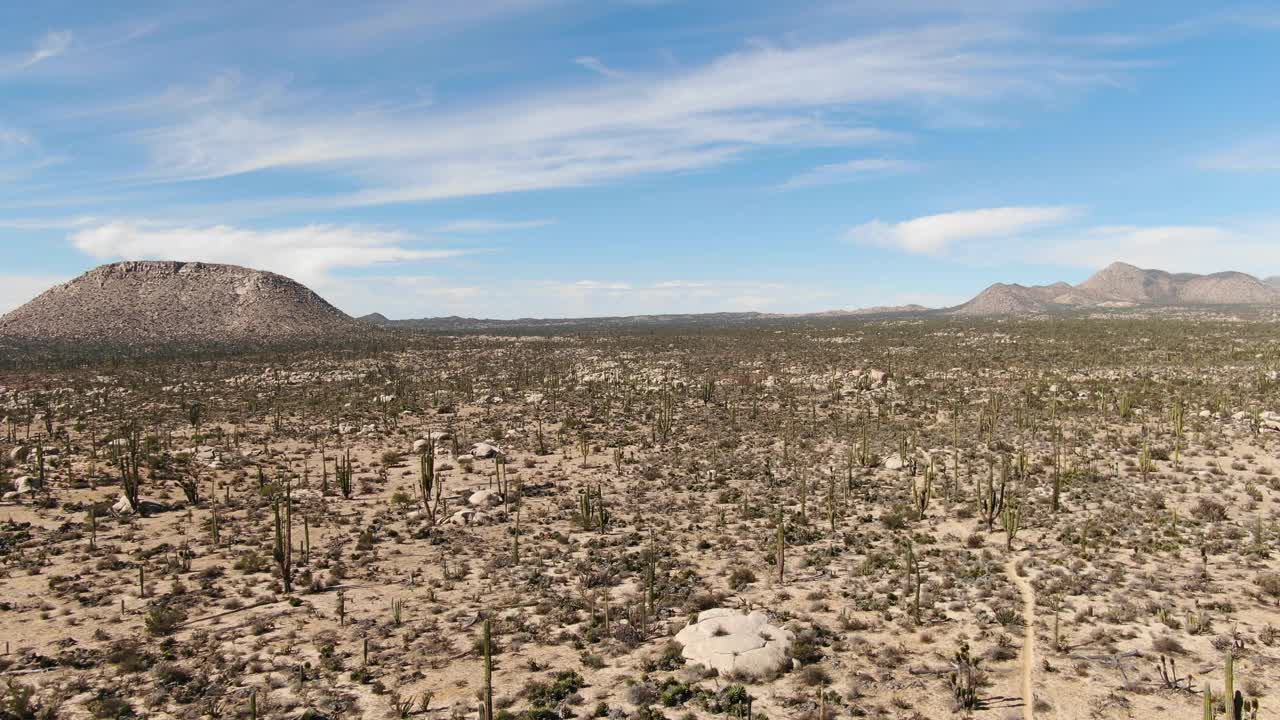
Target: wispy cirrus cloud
{"type": "Point", "coordinates": [307, 253]}
{"type": "Point", "coordinates": [21, 154]}
{"type": "Point", "coordinates": [670, 120]}
{"type": "Point", "coordinates": [597, 66]}
{"type": "Point", "coordinates": [49, 46]}
{"type": "Point", "coordinates": [835, 173]}
{"type": "Point", "coordinates": [935, 234]}
{"type": "Point", "coordinates": [491, 226]}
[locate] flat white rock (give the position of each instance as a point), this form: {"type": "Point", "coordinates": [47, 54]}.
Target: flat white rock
{"type": "Point", "coordinates": [732, 642]}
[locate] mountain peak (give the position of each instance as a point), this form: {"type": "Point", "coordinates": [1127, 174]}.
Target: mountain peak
{"type": "Point", "coordinates": [1121, 284]}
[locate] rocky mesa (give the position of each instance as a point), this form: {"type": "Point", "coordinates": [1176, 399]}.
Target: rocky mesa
{"type": "Point", "coordinates": [167, 301]}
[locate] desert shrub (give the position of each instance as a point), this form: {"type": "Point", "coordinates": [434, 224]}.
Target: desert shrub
{"type": "Point", "coordinates": [251, 562]}
{"type": "Point", "coordinates": [740, 578]}
{"type": "Point", "coordinates": [1269, 583]}
{"type": "Point", "coordinates": [163, 618]}
{"type": "Point", "coordinates": [563, 684]}
{"type": "Point", "coordinates": [813, 675]}
{"type": "Point", "coordinates": [1209, 510]}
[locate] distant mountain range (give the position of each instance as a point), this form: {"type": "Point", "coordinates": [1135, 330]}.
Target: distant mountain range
{"type": "Point", "coordinates": [454, 322]}
{"type": "Point", "coordinates": [151, 302]}
{"type": "Point", "coordinates": [1120, 285]}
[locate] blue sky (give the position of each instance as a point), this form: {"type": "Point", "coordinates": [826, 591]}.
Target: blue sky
{"type": "Point", "coordinates": [509, 158]}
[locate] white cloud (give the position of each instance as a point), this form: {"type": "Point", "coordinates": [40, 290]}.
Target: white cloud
{"type": "Point", "coordinates": [491, 226]}
{"type": "Point", "coordinates": [676, 119]}
{"type": "Point", "coordinates": [845, 171]}
{"type": "Point", "coordinates": [935, 234]}
{"type": "Point", "coordinates": [50, 46]}
{"type": "Point", "coordinates": [16, 289]}
{"type": "Point", "coordinates": [307, 254]}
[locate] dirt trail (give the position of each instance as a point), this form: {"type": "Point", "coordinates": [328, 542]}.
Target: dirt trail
{"type": "Point", "coordinates": [1028, 639]}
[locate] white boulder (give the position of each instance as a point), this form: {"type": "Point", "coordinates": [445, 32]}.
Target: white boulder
{"type": "Point", "coordinates": [732, 642]}
{"type": "Point", "coordinates": [484, 498]}
{"type": "Point", "coordinates": [485, 450]}
{"type": "Point", "coordinates": [469, 517]}
{"type": "Point", "coordinates": [123, 506]}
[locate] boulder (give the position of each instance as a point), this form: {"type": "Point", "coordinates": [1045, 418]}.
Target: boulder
{"type": "Point", "coordinates": [893, 462]}
{"type": "Point", "coordinates": [470, 517]}
{"type": "Point", "coordinates": [729, 641]}
{"type": "Point", "coordinates": [485, 450]}
{"type": "Point", "coordinates": [484, 498]}
{"type": "Point", "coordinates": [26, 485]}
{"type": "Point", "coordinates": [122, 506]}
{"type": "Point", "coordinates": [420, 446]}
{"type": "Point", "coordinates": [19, 454]}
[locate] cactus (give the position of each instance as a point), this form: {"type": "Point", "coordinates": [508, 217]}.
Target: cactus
{"type": "Point", "coordinates": [1057, 468]}
{"type": "Point", "coordinates": [427, 477]}
{"type": "Point", "coordinates": [1011, 521]}
{"type": "Point", "coordinates": [282, 552]}
{"type": "Point", "coordinates": [488, 671]}
{"type": "Point", "coordinates": [93, 528]}
{"type": "Point", "coordinates": [129, 462]}
{"type": "Point", "coordinates": [967, 679]}
{"type": "Point", "coordinates": [781, 549]}
{"type": "Point", "coordinates": [991, 498]}
{"type": "Point", "coordinates": [922, 492]}
{"type": "Point", "coordinates": [585, 513]}
{"type": "Point", "coordinates": [344, 474]}
{"type": "Point", "coordinates": [1229, 693]}
{"type": "Point", "coordinates": [602, 512]}
{"type": "Point", "coordinates": [397, 611]}
{"type": "Point", "coordinates": [1124, 406]}
{"type": "Point", "coordinates": [515, 540]}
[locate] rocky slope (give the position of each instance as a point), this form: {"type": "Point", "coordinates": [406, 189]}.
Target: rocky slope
{"type": "Point", "coordinates": [1121, 285]}
{"type": "Point", "coordinates": [167, 301]}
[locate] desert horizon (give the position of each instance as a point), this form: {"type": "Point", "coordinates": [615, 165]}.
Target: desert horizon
{"type": "Point", "coordinates": [639, 360]}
